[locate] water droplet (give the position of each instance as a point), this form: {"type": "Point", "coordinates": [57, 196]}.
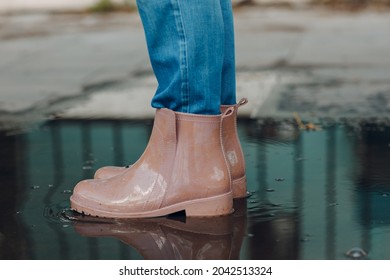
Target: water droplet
{"type": "Point", "coordinates": [252, 201]}
{"type": "Point", "coordinates": [356, 253]}
{"type": "Point", "coordinates": [250, 235]}
{"type": "Point", "coordinates": [270, 190]}
{"type": "Point", "coordinates": [385, 195]}
{"type": "Point", "coordinates": [35, 187]}
{"type": "Point", "coordinates": [305, 238]}
{"type": "Point", "coordinates": [65, 226]}
{"type": "Point", "coordinates": [333, 204]}
{"type": "Point", "coordinates": [51, 186]}
{"type": "Point", "coordinates": [67, 191]}
{"type": "Point", "coordinates": [18, 212]}
{"type": "Point", "coordinates": [87, 167]}
{"type": "Point", "coordinates": [279, 179]}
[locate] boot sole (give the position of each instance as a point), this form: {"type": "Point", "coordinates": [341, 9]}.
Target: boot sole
{"type": "Point", "coordinates": [220, 205]}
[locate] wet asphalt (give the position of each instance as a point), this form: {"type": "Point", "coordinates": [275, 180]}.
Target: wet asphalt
{"type": "Point", "coordinates": [75, 91]}
{"type": "Point", "coordinates": [319, 63]}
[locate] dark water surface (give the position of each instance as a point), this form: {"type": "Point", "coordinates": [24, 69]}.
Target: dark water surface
{"type": "Point", "coordinates": [321, 194]}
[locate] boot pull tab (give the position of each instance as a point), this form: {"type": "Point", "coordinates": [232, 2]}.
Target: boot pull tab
{"type": "Point", "coordinates": [228, 112]}
{"type": "Point", "coordinates": [242, 102]}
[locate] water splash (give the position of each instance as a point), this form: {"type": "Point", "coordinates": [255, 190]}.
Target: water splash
{"type": "Point", "coordinates": [279, 179]}
{"type": "Point", "coordinates": [356, 253]}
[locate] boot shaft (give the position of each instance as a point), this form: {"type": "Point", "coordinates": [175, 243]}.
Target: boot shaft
{"type": "Point", "coordinates": [233, 150]}
{"type": "Point", "coordinates": [200, 167]}
{"type": "Point", "coordinates": [230, 141]}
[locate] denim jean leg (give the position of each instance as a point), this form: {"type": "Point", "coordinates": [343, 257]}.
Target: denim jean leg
{"type": "Point", "coordinates": [185, 41]}
{"type": "Point", "coordinates": [228, 87]}
{"type": "Point", "coordinates": [163, 42]}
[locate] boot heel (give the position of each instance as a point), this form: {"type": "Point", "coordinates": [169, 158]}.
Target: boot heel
{"type": "Point", "coordinates": [213, 206]}
{"type": "Point", "coordinates": [239, 188]}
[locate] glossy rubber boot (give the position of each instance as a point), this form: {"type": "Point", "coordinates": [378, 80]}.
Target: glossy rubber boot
{"type": "Point", "coordinates": [233, 151]}
{"type": "Point", "coordinates": [183, 168]}
{"type": "Point", "coordinates": [232, 148]}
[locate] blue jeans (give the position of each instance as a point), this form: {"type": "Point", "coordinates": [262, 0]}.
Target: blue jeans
{"type": "Point", "coordinates": [191, 48]}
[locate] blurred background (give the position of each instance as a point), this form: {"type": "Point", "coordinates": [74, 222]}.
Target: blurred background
{"type": "Point", "coordinates": [75, 90]}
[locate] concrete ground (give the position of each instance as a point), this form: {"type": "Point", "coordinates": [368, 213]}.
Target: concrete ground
{"type": "Point", "coordinates": [317, 62]}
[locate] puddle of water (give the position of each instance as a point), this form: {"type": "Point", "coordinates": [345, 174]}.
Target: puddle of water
{"type": "Point", "coordinates": [313, 195]}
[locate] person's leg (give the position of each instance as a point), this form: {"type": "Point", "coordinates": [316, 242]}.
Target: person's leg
{"type": "Point", "coordinates": [231, 141]}
{"type": "Point", "coordinates": [228, 87]}
{"type": "Point", "coordinates": [184, 166]}
{"type": "Point", "coordinates": [185, 41]}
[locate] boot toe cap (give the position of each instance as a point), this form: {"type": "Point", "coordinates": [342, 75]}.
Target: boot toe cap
{"type": "Point", "coordinates": [85, 194]}
{"type": "Point", "coordinates": [108, 172]}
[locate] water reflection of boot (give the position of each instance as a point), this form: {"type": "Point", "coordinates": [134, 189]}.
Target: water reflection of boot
{"type": "Point", "coordinates": [239, 227]}
{"type": "Point", "coordinates": [167, 239]}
